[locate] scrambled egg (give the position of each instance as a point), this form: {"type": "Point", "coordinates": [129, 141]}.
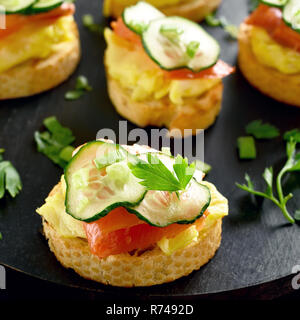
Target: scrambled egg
{"type": "Point", "coordinates": [34, 42]}
{"type": "Point", "coordinates": [54, 212]}
{"type": "Point", "coordinates": [217, 209]}
{"type": "Point", "coordinates": [125, 3]}
{"type": "Point", "coordinates": [144, 80]}
{"type": "Point", "coordinates": [271, 54]}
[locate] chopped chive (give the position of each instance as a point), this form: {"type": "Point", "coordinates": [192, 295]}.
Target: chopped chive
{"type": "Point", "coordinates": [246, 146]}
{"type": "Point", "coordinates": [66, 153]}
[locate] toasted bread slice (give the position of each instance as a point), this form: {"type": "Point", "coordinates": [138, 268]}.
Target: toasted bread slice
{"type": "Point", "coordinates": [39, 75]}
{"type": "Point", "coordinates": [148, 268]}
{"type": "Point", "coordinates": [191, 9]}
{"type": "Point", "coordinates": [196, 113]}
{"type": "Point", "coordinates": [279, 86]}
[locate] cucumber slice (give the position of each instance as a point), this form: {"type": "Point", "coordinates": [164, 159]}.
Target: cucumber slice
{"type": "Point", "coordinates": [162, 208]}
{"type": "Point", "coordinates": [91, 192]}
{"type": "Point", "coordinates": [291, 14]}
{"type": "Point", "coordinates": [175, 43]}
{"type": "Point", "coordinates": [45, 5]}
{"type": "Point", "coordinates": [275, 3]}
{"type": "Point", "coordinates": [138, 17]}
{"type": "Point", "coordinates": [16, 6]}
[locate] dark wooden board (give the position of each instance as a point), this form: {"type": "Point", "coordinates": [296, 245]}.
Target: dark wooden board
{"type": "Point", "coordinates": [258, 245]}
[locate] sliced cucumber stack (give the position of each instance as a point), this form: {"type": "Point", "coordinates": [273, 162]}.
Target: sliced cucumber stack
{"type": "Point", "coordinates": [16, 6]}
{"type": "Point", "coordinates": [275, 3]}
{"type": "Point", "coordinates": [291, 14]}
{"type": "Point", "coordinates": [138, 17]}
{"type": "Point", "coordinates": [175, 43]}
{"type": "Point", "coordinates": [95, 187]}
{"type": "Point", "coordinates": [45, 5]}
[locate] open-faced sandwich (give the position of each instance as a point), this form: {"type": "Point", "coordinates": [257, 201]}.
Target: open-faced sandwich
{"type": "Point", "coordinates": [269, 49]}
{"type": "Point", "coordinates": [163, 71]}
{"type": "Point", "coordinates": [132, 216]}
{"type": "Point", "coordinates": [39, 47]}
{"type": "Point", "coordinates": [191, 9]}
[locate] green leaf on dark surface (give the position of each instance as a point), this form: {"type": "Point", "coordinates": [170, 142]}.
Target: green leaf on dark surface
{"type": "Point", "coordinates": [9, 179]}
{"type": "Point", "coordinates": [262, 130]}
{"type": "Point", "coordinates": [292, 135]}
{"type": "Point", "coordinates": [55, 143]}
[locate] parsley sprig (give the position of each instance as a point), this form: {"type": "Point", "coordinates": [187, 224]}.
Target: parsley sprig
{"type": "Point", "coordinates": [262, 130]}
{"type": "Point", "coordinates": [292, 164]}
{"type": "Point", "coordinates": [10, 180]}
{"type": "Point", "coordinates": [155, 175]}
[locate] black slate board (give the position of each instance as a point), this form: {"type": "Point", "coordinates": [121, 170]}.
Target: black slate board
{"type": "Point", "coordinates": [258, 245]}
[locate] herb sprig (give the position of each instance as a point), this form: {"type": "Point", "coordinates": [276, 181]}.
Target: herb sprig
{"type": "Point", "coordinates": [155, 175]}
{"type": "Point", "coordinates": [292, 164]}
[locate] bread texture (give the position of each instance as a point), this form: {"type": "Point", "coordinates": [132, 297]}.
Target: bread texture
{"type": "Point", "coordinates": [196, 113]}
{"type": "Point", "coordinates": [151, 267]}
{"type": "Point", "coordinates": [36, 76]}
{"type": "Point", "coordinates": [282, 87]}
{"type": "Point", "coordinates": [191, 9]}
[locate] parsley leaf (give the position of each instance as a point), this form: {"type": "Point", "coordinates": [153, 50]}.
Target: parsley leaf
{"type": "Point", "coordinates": [55, 143]}
{"type": "Point", "coordinates": [156, 176]}
{"type": "Point", "coordinates": [9, 179]}
{"type": "Point", "coordinates": [262, 130]}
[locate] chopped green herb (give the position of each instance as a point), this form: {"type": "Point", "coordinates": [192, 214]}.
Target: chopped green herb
{"type": "Point", "coordinates": [192, 48]}
{"type": "Point", "coordinates": [297, 215]}
{"type": "Point", "coordinates": [81, 86]}
{"type": "Point", "coordinates": [292, 164]}
{"type": "Point", "coordinates": [246, 146]}
{"type": "Point", "coordinates": [171, 33]}
{"type": "Point", "coordinates": [1, 236]}
{"type": "Point", "coordinates": [202, 166]}
{"type": "Point", "coordinates": [212, 21]}
{"type": "Point", "coordinates": [73, 95]}
{"type": "Point", "coordinates": [10, 180]}
{"type": "Point", "coordinates": [89, 23]}
{"type": "Point", "coordinates": [292, 134]}
{"type": "Point", "coordinates": [229, 28]}
{"type": "Point", "coordinates": [66, 153]}
{"type": "Point", "coordinates": [262, 130]}
{"type": "Point", "coordinates": [156, 176]}
{"type": "Point", "coordinates": [54, 142]}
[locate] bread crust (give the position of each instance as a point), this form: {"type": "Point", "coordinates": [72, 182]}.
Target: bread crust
{"type": "Point", "coordinates": [38, 75]}
{"type": "Point", "coordinates": [282, 87]}
{"type": "Point", "coordinates": [191, 9]}
{"type": "Point", "coordinates": [150, 268]}
{"type": "Point", "coordinates": [196, 113]}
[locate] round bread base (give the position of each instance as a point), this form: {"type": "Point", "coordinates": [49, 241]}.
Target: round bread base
{"type": "Point", "coordinates": [124, 270]}
{"type": "Point", "coordinates": [279, 86]}
{"type": "Point", "coordinates": [191, 9]}
{"type": "Point", "coordinates": [195, 113]}
{"type": "Point", "coordinates": [36, 76]}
